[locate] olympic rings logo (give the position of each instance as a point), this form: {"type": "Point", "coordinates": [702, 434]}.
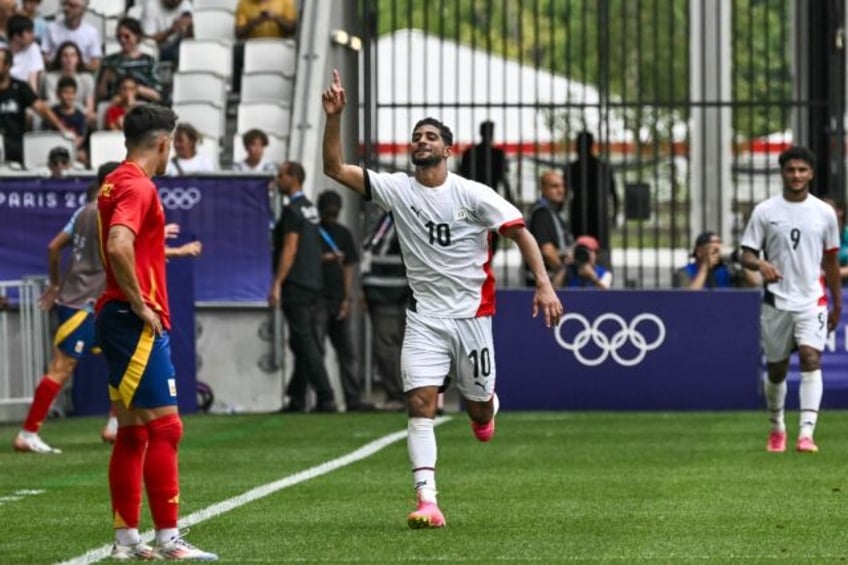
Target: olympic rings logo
{"type": "Point", "coordinates": [611, 345]}
{"type": "Point", "coordinates": [179, 198]}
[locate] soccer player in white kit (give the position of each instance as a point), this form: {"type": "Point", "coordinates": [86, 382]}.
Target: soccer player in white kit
{"type": "Point", "coordinates": [798, 236]}
{"type": "Point", "coordinates": [444, 223]}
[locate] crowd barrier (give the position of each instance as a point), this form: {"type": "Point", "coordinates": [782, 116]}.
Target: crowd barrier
{"type": "Point", "coordinates": [24, 339]}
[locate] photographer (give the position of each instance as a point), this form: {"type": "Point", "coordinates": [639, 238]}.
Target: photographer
{"type": "Point", "coordinates": [584, 270]}
{"type": "Point", "coordinates": [706, 269]}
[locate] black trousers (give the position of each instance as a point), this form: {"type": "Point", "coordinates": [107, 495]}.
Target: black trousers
{"type": "Point", "coordinates": [340, 333]}
{"type": "Point", "coordinates": [388, 323]}
{"type": "Point", "coordinates": [301, 313]}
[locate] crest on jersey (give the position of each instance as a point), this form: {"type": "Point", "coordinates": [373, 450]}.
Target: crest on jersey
{"type": "Point", "coordinates": [461, 215]}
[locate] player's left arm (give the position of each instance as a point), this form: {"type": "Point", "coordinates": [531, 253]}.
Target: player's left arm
{"type": "Point", "coordinates": [545, 298]}
{"type": "Point", "coordinates": [120, 248]}
{"type": "Point", "coordinates": [287, 256]}
{"type": "Point", "coordinates": [190, 249]}
{"type": "Point", "coordinates": [54, 255]}
{"type": "Point", "coordinates": [830, 263]}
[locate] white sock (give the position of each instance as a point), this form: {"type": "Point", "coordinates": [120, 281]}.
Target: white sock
{"type": "Point", "coordinates": [28, 435]}
{"type": "Point", "coordinates": [127, 536]}
{"type": "Point", "coordinates": [810, 395]}
{"type": "Point", "coordinates": [166, 534]}
{"type": "Point", "coordinates": [421, 443]}
{"type": "Point", "coordinates": [775, 401]}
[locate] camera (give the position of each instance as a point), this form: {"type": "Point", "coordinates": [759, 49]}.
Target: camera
{"type": "Point", "coordinates": [582, 255]}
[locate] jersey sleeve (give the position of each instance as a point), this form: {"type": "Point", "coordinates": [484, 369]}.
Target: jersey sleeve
{"type": "Point", "coordinates": [131, 206]}
{"type": "Point", "coordinates": [754, 233]}
{"type": "Point", "coordinates": [493, 210]}
{"type": "Point", "coordinates": [385, 189]}
{"type": "Point", "coordinates": [69, 227]}
{"type": "Point", "coordinates": [832, 242]}
{"type": "Point", "coordinates": [348, 247]}
{"type": "Point", "coordinates": [291, 222]}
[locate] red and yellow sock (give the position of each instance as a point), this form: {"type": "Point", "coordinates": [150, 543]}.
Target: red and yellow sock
{"type": "Point", "coordinates": [161, 474]}
{"type": "Point", "coordinates": [125, 472]}
{"type": "Point", "coordinates": [45, 394]}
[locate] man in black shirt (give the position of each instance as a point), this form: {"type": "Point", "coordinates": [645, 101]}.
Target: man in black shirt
{"type": "Point", "coordinates": [15, 97]}
{"type": "Point", "coordinates": [339, 259]}
{"type": "Point", "coordinates": [549, 226]}
{"type": "Point", "coordinates": [298, 285]}
{"type": "Point", "coordinates": [486, 163]}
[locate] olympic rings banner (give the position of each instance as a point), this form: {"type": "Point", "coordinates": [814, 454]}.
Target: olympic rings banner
{"type": "Point", "coordinates": [229, 215]}
{"type": "Point", "coordinates": [631, 350]}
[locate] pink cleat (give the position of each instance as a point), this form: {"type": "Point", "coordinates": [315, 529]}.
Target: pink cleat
{"type": "Point", "coordinates": [484, 432]}
{"type": "Point", "coordinates": [427, 515]}
{"type": "Point", "coordinates": [776, 442]}
{"type": "Point", "coordinates": [806, 445]}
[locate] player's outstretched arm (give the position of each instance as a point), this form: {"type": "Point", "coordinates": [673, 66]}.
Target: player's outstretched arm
{"type": "Point", "coordinates": [334, 101]}
{"type": "Point", "coordinates": [545, 300]}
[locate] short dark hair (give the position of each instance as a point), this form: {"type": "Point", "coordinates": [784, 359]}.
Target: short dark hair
{"type": "Point", "coordinates": [18, 24]}
{"type": "Point", "coordinates": [797, 152]}
{"type": "Point", "coordinates": [145, 120]}
{"type": "Point", "coordinates": [189, 131]}
{"type": "Point", "coordinates": [102, 172]}
{"type": "Point", "coordinates": [252, 135]}
{"type": "Point", "coordinates": [296, 170]}
{"type": "Point", "coordinates": [66, 82]}
{"type": "Point", "coordinates": [131, 24]}
{"type": "Point", "coordinates": [444, 131]}
{"type": "Point", "coordinates": [329, 199]}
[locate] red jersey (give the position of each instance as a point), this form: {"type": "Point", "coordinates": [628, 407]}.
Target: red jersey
{"type": "Point", "coordinates": [129, 198]}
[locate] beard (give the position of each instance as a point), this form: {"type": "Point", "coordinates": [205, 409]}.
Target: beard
{"type": "Point", "coordinates": [429, 161]}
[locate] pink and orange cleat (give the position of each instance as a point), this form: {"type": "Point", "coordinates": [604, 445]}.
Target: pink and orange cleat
{"type": "Point", "coordinates": [427, 515]}
{"type": "Point", "coordinates": [776, 442]}
{"type": "Point", "coordinates": [484, 432]}
{"type": "Point", "coordinates": [806, 445]}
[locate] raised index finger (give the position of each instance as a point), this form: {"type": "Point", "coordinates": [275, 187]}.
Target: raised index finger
{"type": "Point", "coordinates": [337, 79]}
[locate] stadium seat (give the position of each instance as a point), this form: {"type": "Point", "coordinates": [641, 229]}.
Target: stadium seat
{"type": "Point", "coordinates": [108, 8]}
{"type": "Point", "coordinates": [214, 23]}
{"type": "Point", "coordinates": [199, 87]}
{"type": "Point", "coordinates": [37, 145]}
{"type": "Point", "coordinates": [230, 5]}
{"type": "Point", "coordinates": [50, 8]}
{"type": "Point", "coordinates": [270, 117]}
{"type": "Point", "coordinates": [110, 28]}
{"type": "Point", "coordinates": [105, 146]}
{"type": "Point", "coordinates": [266, 87]}
{"type": "Point", "coordinates": [149, 47]}
{"type": "Point", "coordinates": [206, 55]}
{"type": "Point", "coordinates": [206, 117]}
{"type": "Point", "coordinates": [100, 112]}
{"type": "Point", "coordinates": [270, 55]}
{"type": "Point", "coordinates": [277, 150]}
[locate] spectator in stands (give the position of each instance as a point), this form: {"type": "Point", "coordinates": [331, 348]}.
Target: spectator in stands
{"type": "Point", "coordinates": [706, 269]}
{"type": "Point", "coordinates": [486, 163]}
{"type": "Point", "coordinates": [58, 162]}
{"type": "Point", "coordinates": [73, 28]}
{"type": "Point", "coordinates": [333, 319]}
{"type": "Point", "coordinates": [255, 141]}
{"type": "Point", "coordinates": [71, 115]}
{"type": "Point", "coordinates": [549, 225]}
{"type": "Point", "coordinates": [167, 22]}
{"type": "Point", "coordinates": [28, 63]}
{"type": "Point", "coordinates": [126, 99]}
{"type": "Point", "coordinates": [266, 18]}
{"type": "Point", "coordinates": [29, 8]}
{"type": "Point", "coordinates": [7, 8]}
{"type": "Point", "coordinates": [68, 63]}
{"type": "Point", "coordinates": [130, 61]}
{"type": "Point", "coordinates": [15, 97]}
{"type": "Point", "coordinates": [186, 159]}
{"type": "Point", "coordinates": [584, 270]}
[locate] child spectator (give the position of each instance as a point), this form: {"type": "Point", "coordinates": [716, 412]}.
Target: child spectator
{"type": "Point", "coordinates": [71, 115]}
{"type": "Point", "coordinates": [186, 159]}
{"type": "Point", "coordinates": [58, 162]}
{"type": "Point", "coordinates": [68, 63]}
{"type": "Point", "coordinates": [126, 99]}
{"type": "Point", "coordinates": [255, 141]}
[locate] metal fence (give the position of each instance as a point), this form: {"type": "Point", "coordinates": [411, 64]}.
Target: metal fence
{"type": "Point", "coordinates": [689, 102]}
{"type": "Point", "coordinates": [25, 343]}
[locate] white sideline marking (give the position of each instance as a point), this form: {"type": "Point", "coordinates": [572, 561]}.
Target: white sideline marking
{"type": "Point", "coordinates": [19, 495]}
{"type": "Point", "coordinates": [366, 450]}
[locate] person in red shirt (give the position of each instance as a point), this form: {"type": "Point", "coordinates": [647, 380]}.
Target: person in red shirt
{"type": "Point", "coordinates": [126, 98]}
{"type": "Point", "coordinates": [132, 325]}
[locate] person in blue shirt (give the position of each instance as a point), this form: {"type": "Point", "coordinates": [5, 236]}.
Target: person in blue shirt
{"type": "Point", "coordinates": [584, 270]}
{"type": "Point", "coordinates": [705, 270]}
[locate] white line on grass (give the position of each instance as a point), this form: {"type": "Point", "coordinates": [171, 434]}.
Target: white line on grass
{"type": "Point", "coordinates": [366, 450]}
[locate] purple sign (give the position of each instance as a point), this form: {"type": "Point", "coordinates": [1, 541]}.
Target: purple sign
{"type": "Point", "coordinates": [630, 350]}
{"type": "Point", "coordinates": [230, 215]}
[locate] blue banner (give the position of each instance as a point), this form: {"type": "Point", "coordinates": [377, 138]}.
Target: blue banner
{"type": "Point", "coordinates": [229, 215]}
{"type": "Point", "coordinates": [630, 350]}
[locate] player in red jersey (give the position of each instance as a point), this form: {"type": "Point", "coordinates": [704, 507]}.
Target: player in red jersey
{"type": "Point", "coordinates": [132, 326]}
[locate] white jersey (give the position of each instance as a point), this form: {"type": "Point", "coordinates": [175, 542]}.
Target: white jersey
{"type": "Point", "coordinates": [794, 237]}
{"type": "Point", "coordinates": [444, 238]}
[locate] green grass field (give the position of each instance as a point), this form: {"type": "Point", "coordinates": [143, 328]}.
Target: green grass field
{"type": "Point", "coordinates": [550, 488]}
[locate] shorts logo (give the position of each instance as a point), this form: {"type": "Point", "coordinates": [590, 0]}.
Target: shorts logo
{"type": "Point", "coordinates": [610, 335]}
{"type": "Point", "coordinates": [172, 387]}
{"type": "Point", "coordinates": [78, 346]}
{"type": "Point", "coordinates": [178, 198]}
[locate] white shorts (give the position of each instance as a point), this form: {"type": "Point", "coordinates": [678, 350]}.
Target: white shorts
{"type": "Point", "coordinates": [460, 348]}
{"type": "Point", "coordinates": [782, 331]}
